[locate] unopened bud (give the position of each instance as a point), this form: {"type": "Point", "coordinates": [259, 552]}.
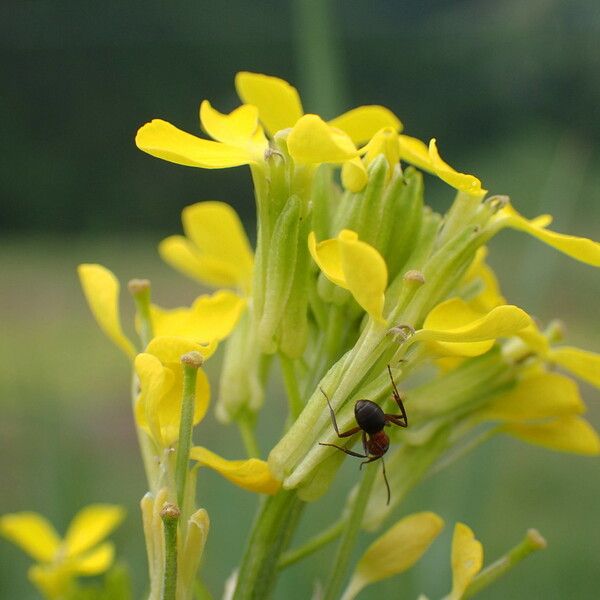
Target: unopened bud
{"type": "Point", "coordinates": [193, 359]}
{"type": "Point", "coordinates": [138, 286]}
{"type": "Point", "coordinates": [414, 276]}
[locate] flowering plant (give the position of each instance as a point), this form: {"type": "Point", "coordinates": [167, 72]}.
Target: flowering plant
{"type": "Point", "coordinates": [354, 281]}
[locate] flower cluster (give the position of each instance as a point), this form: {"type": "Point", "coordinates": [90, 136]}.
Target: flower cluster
{"type": "Point", "coordinates": [353, 279]}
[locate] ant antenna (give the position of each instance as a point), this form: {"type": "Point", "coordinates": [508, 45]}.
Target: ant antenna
{"type": "Point", "coordinates": [387, 485]}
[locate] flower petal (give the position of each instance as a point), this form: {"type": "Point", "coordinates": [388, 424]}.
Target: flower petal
{"type": "Point", "coordinates": [170, 348]}
{"type": "Point", "coordinates": [32, 533]}
{"type": "Point", "coordinates": [91, 525]}
{"type": "Point", "coordinates": [567, 434]}
{"type": "Point", "coordinates": [467, 559]}
{"type": "Point", "coordinates": [218, 234]}
{"type": "Point", "coordinates": [461, 331]}
{"type": "Point", "coordinates": [101, 290]}
{"type": "Point", "coordinates": [363, 122]}
{"type": "Point", "coordinates": [95, 562]}
{"type": "Point", "coordinates": [395, 551]}
{"type": "Point", "coordinates": [539, 396]}
{"type": "Point", "coordinates": [415, 152]}
{"type": "Point", "coordinates": [489, 295]}
{"type": "Point", "coordinates": [211, 317]}
{"type": "Point", "coordinates": [312, 141]}
{"type": "Point", "coordinates": [253, 474]}
{"type": "Point", "coordinates": [581, 249]}
{"type": "Point", "coordinates": [582, 363]}
{"type": "Point", "coordinates": [355, 266]}
{"type": "Point", "coordinates": [155, 381]}
{"type": "Point", "coordinates": [236, 128]}
{"type": "Point", "coordinates": [54, 581]}
{"type": "Point", "coordinates": [354, 175]}
{"type": "Point", "coordinates": [278, 102]}
{"type": "Point", "coordinates": [460, 181]}
{"type": "Point", "coordinates": [163, 140]}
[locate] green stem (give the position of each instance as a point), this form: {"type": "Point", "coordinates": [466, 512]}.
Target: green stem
{"type": "Point", "coordinates": [291, 386]}
{"type": "Point", "coordinates": [272, 529]}
{"type": "Point", "coordinates": [170, 517]}
{"type": "Point", "coordinates": [246, 428]}
{"type": "Point", "coordinates": [533, 541]}
{"type": "Point", "coordinates": [190, 372]}
{"type": "Point", "coordinates": [346, 545]}
{"type": "Point", "coordinates": [314, 544]}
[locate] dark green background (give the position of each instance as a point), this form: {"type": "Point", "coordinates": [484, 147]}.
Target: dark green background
{"type": "Point", "coordinates": [511, 90]}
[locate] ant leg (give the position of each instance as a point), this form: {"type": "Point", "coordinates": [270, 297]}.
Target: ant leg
{"type": "Point", "coordinates": [350, 452]}
{"type": "Point", "coordinates": [396, 420]}
{"type": "Point", "coordinates": [398, 399]}
{"type": "Point", "coordinates": [370, 460]}
{"type": "Point", "coordinates": [364, 443]}
{"type": "Point", "coordinates": [345, 433]}
{"type": "Point", "coordinates": [387, 485]}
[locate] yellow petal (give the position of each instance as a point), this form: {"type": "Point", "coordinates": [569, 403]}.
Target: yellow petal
{"type": "Point", "coordinates": [158, 409]}
{"type": "Point", "coordinates": [567, 434]}
{"type": "Point", "coordinates": [101, 290]}
{"type": "Point", "coordinates": [362, 123]}
{"type": "Point", "coordinates": [467, 560]}
{"type": "Point", "coordinates": [460, 181]}
{"type": "Point", "coordinates": [581, 249]}
{"type": "Point", "coordinates": [32, 533]}
{"type": "Point", "coordinates": [236, 128]}
{"type": "Point", "coordinates": [170, 349]}
{"type": "Point", "coordinates": [211, 317]}
{"type": "Point", "coordinates": [395, 551]}
{"type": "Point", "coordinates": [94, 562]}
{"type": "Point", "coordinates": [383, 142]}
{"type": "Point", "coordinates": [163, 140]}
{"type": "Point", "coordinates": [90, 526]}
{"type": "Point", "coordinates": [535, 339]}
{"type": "Point", "coordinates": [582, 363]}
{"type": "Point", "coordinates": [415, 152]}
{"type": "Point", "coordinates": [469, 332]}
{"type": "Point", "coordinates": [354, 175]}
{"type": "Point", "coordinates": [179, 253]}
{"type": "Point", "coordinates": [355, 266]}
{"type": "Point", "coordinates": [539, 396]}
{"type": "Point", "coordinates": [155, 381]}
{"type": "Point", "coordinates": [221, 242]}
{"type": "Point", "coordinates": [54, 581]}
{"type": "Point", "coordinates": [278, 102]}
{"type": "Point", "coordinates": [489, 295]}
{"type": "Point", "coordinates": [252, 474]}
{"type": "Point", "coordinates": [312, 141]}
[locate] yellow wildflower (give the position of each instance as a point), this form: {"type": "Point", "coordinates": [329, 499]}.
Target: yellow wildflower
{"type": "Point", "coordinates": [60, 561]}
{"type": "Point", "coordinates": [467, 560]}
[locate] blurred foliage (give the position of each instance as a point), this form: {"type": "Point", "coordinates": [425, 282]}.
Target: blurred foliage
{"type": "Point", "coordinates": [510, 90]}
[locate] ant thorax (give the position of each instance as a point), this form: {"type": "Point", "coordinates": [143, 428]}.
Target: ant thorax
{"type": "Point", "coordinates": [378, 443]}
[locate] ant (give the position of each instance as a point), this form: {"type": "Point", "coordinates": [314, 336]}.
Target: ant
{"type": "Point", "coordinates": [371, 420]}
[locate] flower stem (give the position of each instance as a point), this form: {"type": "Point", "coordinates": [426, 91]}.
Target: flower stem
{"type": "Point", "coordinates": [170, 517]}
{"type": "Point", "coordinates": [314, 544]}
{"type": "Point", "coordinates": [272, 529]}
{"type": "Point", "coordinates": [291, 386]}
{"type": "Point", "coordinates": [346, 545]}
{"type": "Point", "coordinates": [191, 362]}
{"type": "Point", "coordinates": [531, 542]}
{"type": "Point", "coordinates": [246, 428]}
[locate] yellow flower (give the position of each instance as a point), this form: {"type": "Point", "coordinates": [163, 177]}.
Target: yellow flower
{"type": "Point", "coordinates": [453, 328]}
{"type": "Point", "coordinates": [279, 107]}
{"type": "Point", "coordinates": [209, 320]}
{"type": "Point", "coordinates": [467, 560]}
{"type": "Point", "coordinates": [480, 275]}
{"type": "Point", "coordinates": [415, 152]}
{"type": "Point", "coordinates": [158, 406]}
{"type": "Point", "coordinates": [60, 561]}
{"type": "Point", "coordinates": [355, 266]}
{"type": "Point", "coordinates": [215, 249]}
{"type": "Point", "coordinates": [581, 249]}
{"type": "Point", "coordinates": [395, 551]}
{"type": "Point", "coordinates": [158, 412]}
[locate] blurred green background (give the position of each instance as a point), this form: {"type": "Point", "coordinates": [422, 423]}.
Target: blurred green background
{"type": "Point", "coordinates": [510, 89]}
